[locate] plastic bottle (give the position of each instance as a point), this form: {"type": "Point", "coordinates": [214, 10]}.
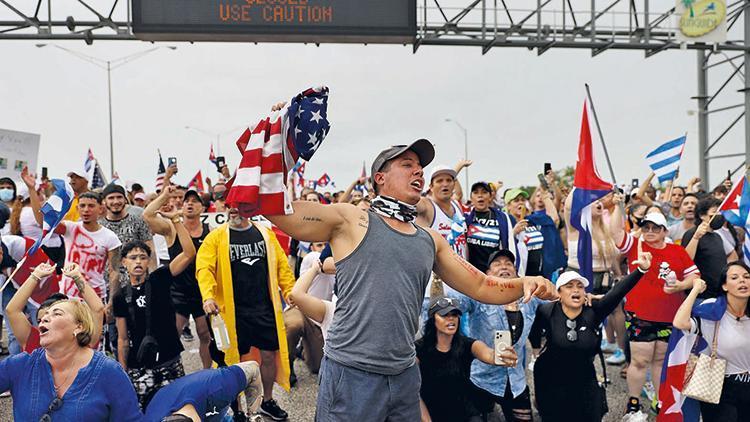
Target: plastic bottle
{"type": "Point", "coordinates": [221, 335]}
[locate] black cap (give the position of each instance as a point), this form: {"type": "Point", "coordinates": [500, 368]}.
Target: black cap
{"type": "Point", "coordinates": [483, 185]}
{"type": "Point", "coordinates": [422, 147]}
{"type": "Point", "coordinates": [192, 191]}
{"type": "Point", "coordinates": [113, 188]}
{"type": "Point", "coordinates": [502, 252]}
{"type": "Point", "coordinates": [443, 305]}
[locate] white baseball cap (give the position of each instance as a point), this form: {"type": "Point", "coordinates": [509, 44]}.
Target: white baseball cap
{"type": "Point", "coordinates": [569, 276]}
{"type": "Point", "coordinates": [655, 218]}
{"type": "Point", "coordinates": [442, 169]}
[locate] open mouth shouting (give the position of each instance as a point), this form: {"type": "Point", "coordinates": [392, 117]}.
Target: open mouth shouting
{"type": "Point", "coordinates": [417, 184]}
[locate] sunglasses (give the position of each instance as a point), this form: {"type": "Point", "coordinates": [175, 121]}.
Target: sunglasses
{"type": "Point", "coordinates": [651, 228]}
{"type": "Point", "coordinates": [56, 404]}
{"type": "Point", "coordinates": [444, 302]}
{"type": "Point", "coordinates": [572, 335]}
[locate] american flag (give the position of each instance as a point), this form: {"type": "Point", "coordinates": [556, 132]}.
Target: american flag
{"type": "Point", "coordinates": [160, 173]}
{"type": "Point", "coordinates": [93, 171]}
{"type": "Point", "coordinates": [272, 147]}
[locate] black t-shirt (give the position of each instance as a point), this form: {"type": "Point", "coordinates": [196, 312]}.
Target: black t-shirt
{"type": "Point", "coordinates": [515, 322]}
{"type": "Point", "coordinates": [483, 238]}
{"type": "Point", "coordinates": [710, 260]}
{"type": "Point", "coordinates": [252, 299]}
{"type": "Point", "coordinates": [185, 287]}
{"type": "Point", "coordinates": [162, 316]}
{"type": "Point", "coordinates": [445, 380]}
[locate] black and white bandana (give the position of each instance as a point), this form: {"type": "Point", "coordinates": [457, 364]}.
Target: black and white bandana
{"type": "Point", "coordinates": [393, 208]}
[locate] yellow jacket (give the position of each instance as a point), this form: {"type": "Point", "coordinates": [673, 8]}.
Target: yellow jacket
{"type": "Point", "coordinates": [214, 272]}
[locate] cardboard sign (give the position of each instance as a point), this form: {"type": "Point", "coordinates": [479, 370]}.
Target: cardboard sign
{"type": "Point", "coordinates": [18, 149]}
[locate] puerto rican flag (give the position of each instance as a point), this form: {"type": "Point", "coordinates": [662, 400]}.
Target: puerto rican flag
{"type": "Point", "coordinates": [674, 406]}
{"type": "Point", "coordinates": [588, 187]}
{"type": "Point", "coordinates": [736, 210]}
{"type": "Point", "coordinates": [270, 150]}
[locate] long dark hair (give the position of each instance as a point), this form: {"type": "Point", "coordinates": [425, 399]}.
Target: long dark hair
{"type": "Point", "coordinates": [723, 279]}
{"type": "Point", "coordinates": [430, 342]}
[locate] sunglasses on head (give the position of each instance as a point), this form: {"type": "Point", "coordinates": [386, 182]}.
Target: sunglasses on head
{"type": "Point", "coordinates": [572, 335]}
{"type": "Point", "coordinates": [443, 302]}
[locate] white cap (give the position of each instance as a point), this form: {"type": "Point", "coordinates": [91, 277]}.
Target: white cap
{"type": "Point", "coordinates": [656, 218]}
{"type": "Point", "coordinates": [22, 191]}
{"type": "Point", "coordinates": [140, 195]}
{"type": "Point", "coordinates": [569, 276]}
{"type": "Point", "coordinates": [442, 169]}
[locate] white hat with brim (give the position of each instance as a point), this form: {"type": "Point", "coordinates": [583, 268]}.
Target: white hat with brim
{"type": "Point", "coordinates": [569, 276]}
{"type": "Point", "coordinates": [80, 174]}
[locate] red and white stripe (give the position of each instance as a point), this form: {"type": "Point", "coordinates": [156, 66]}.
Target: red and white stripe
{"type": "Point", "coordinates": [258, 186]}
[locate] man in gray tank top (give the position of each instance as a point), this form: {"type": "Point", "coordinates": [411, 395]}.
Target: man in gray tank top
{"type": "Point", "coordinates": [383, 264]}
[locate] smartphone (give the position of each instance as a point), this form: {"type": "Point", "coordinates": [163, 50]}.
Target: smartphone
{"type": "Point", "coordinates": [547, 168]}
{"type": "Point", "coordinates": [502, 341]}
{"type": "Point", "coordinates": [220, 162]}
{"type": "Point", "coordinates": [543, 181]}
{"type": "Point", "coordinates": [44, 172]}
{"type": "Point", "coordinates": [635, 183]}
{"type": "Point", "coordinates": [172, 161]}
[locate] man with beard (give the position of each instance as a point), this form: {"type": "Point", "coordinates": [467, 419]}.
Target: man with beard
{"type": "Point", "coordinates": [186, 296]}
{"type": "Point", "coordinates": [687, 211]}
{"type": "Point", "coordinates": [240, 269]}
{"type": "Point", "coordinates": [384, 262]}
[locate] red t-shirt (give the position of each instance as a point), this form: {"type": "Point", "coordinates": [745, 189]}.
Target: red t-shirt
{"type": "Point", "coordinates": [647, 300]}
{"type": "Point", "coordinates": [32, 343]}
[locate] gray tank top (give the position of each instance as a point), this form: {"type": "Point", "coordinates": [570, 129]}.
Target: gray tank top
{"type": "Point", "coordinates": [380, 288]}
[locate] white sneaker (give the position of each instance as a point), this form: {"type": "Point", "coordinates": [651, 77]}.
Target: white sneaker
{"type": "Point", "coordinates": [635, 417]}
{"type": "Point", "coordinates": [608, 347]}
{"type": "Point", "coordinates": [617, 358]}
{"type": "Point", "coordinates": [5, 394]}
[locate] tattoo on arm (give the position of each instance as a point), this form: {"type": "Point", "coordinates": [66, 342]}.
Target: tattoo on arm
{"type": "Point", "coordinates": [312, 219]}
{"type": "Point", "coordinates": [470, 268]}
{"type": "Point", "coordinates": [498, 282]}
{"type": "Point", "coordinates": [362, 221]}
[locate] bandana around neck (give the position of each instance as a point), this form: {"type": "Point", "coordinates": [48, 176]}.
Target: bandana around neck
{"type": "Point", "coordinates": [393, 208]}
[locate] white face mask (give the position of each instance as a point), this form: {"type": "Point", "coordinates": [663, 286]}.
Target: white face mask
{"type": "Point", "coordinates": [6, 194]}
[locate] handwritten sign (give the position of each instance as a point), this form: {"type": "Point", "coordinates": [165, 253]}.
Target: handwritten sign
{"type": "Point", "coordinates": [18, 149]}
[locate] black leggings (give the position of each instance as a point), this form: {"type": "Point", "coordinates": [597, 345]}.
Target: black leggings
{"type": "Point", "coordinates": [515, 409]}
{"type": "Point", "coordinates": [734, 405]}
{"type": "Point", "coordinates": [536, 333]}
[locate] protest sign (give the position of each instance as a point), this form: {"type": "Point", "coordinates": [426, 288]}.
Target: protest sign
{"type": "Point", "coordinates": [17, 149]}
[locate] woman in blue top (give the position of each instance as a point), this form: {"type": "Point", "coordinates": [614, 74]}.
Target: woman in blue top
{"type": "Point", "coordinates": [65, 378]}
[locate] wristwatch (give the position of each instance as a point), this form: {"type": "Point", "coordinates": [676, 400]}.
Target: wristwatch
{"type": "Point", "coordinates": [176, 219]}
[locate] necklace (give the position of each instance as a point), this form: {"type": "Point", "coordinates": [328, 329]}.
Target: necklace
{"type": "Point", "coordinates": [737, 315]}
{"type": "Point", "coordinates": [65, 381]}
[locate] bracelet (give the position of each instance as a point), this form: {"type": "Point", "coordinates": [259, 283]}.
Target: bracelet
{"type": "Point", "coordinates": [35, 277]}
{"type": "Point", "coordinates": [176, 220]}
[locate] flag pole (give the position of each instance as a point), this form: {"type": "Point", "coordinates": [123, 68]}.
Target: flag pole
{"type": "Point", "coordinates": [13, 274]}
{"type": "Point", "coordinates": [734, 185]}
{"type": "Point", "coordinates": [601, 136]}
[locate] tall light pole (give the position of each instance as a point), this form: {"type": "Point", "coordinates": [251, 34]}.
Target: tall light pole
{"type": "Point", "coordinates": [109, 66]}
{"type": "Point", "coordinates": [466, 149]}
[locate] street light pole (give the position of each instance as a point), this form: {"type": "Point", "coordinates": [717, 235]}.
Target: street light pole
{"type": "Point", "coordinates": [466, 150]}
{"type": "Point", "coordinates": [108, 65]}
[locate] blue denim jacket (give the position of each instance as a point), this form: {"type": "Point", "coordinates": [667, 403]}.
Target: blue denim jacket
{"type": "Point", "coordinates": [484, 320]}
{"type": "Point", "coordinates": [100, 392]}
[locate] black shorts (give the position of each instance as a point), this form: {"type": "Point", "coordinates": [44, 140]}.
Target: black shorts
{"type": "Point", "coordinates": [249, 335]}
{"type": "Point", "coordinates": [484, 401]}
{"type": "Point", "coordinates": [187, 308]}
{"type": "Point", "coordinates": [640, 330]}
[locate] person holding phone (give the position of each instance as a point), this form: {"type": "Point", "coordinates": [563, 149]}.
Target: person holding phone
{"type": "Point", "coordinates": [564, 374]}
{"type": "Point", "coordinates": [445, 357]}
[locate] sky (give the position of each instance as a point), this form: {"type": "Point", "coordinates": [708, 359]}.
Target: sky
{"type": "Point", "coordinates": [520, 109]}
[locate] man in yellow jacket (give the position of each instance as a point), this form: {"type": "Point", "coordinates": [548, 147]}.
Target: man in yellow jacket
{"type": "Point", "coordinates": [240, 269]}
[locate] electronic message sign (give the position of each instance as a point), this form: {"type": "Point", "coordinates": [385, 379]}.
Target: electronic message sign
{"type": "Point", "coordinates": [369, 21]}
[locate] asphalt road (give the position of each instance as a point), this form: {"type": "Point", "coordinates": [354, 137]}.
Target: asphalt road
{"type": "Point", "coordinates": [300, 402]}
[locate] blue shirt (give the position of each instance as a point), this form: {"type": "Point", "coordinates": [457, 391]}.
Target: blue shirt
{"type": "Point", "coordinates": [483, 321]}
{"type": "Point", "coordinates": [553, 250]}
{"type": "Point", "coordinates": [100, 392]}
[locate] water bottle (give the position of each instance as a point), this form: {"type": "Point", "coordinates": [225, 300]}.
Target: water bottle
{"type": "Point", "coordinates": [221, 335]}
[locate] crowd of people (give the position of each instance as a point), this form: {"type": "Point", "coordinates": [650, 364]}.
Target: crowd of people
{"type": "Point", "coordinates": [396, 292]}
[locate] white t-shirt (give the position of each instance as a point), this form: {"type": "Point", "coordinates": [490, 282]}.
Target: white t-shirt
{"type": "Point", "coordinates": [733, 343]}
{"type": "Point", "coordinates": [162, 250]}
{"type": "Point", "coordinates": [328, 318]}
{"type": "Point", "coordinates": [322, 284]}
{"type": "Point", "coordinates": [90, 251]}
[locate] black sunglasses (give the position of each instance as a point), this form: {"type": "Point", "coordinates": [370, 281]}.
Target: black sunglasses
{"type": "Point", "coordinates": [56, 404]}
{"type": "Point", "coordinates": [572, 334]}
{"type": "Point", "coordinates": [443, 302]}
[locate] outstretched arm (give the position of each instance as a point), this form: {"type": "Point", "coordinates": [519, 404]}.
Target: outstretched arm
{"type": "Point", "coordinates": [347, 195]}
{"type": "Point", "coordinates": [157, 223]}
{"type": "Point", "coordinates": [14, 311]}
{"type": "Point", "coordinates": [682, 317]}
{"type": "Point", "coordinates": [313, 222]}
{"type": "Point", "coordinates": [465, 278]}
{"type": "Point", "coordinates": [89, 296]}
{"type": "Point", "coordinates": [181, 261]}
{"type": "Point", "coordinates": [30, 181]}
{"type": "Point", "coordinates": [311, 306]}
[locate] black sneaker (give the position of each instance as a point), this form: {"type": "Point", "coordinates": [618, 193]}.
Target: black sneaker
{"type": "Point", "coordinates": [273, 411]}
{"type": "Point", "coordinates": [187, 335]}
{"type": "Point", "coordinates": [634, 405]}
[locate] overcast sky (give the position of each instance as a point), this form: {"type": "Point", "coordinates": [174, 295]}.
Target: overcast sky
{"type": "Point", "coordinates": [520, 109]}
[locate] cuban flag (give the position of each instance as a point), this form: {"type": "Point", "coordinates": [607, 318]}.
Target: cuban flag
{"type": "Point", "coordinates": [674, 406]}
{"type": "Point", "coordinates": [665, 160]}
{"type": "Point", "coordinates": [324, 180]}
{"type": "Point", "coordinates": [53, 211]}
{"type": "Point", "coordinates": [211, 156]}
{"type": "Point", "coordinates": [588, 187]}
{"type": "Point", "coordinates": [736, 210]}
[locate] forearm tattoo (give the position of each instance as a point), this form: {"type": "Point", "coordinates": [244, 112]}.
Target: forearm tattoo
{"type": "Point", "coordinates": [310, 219]}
